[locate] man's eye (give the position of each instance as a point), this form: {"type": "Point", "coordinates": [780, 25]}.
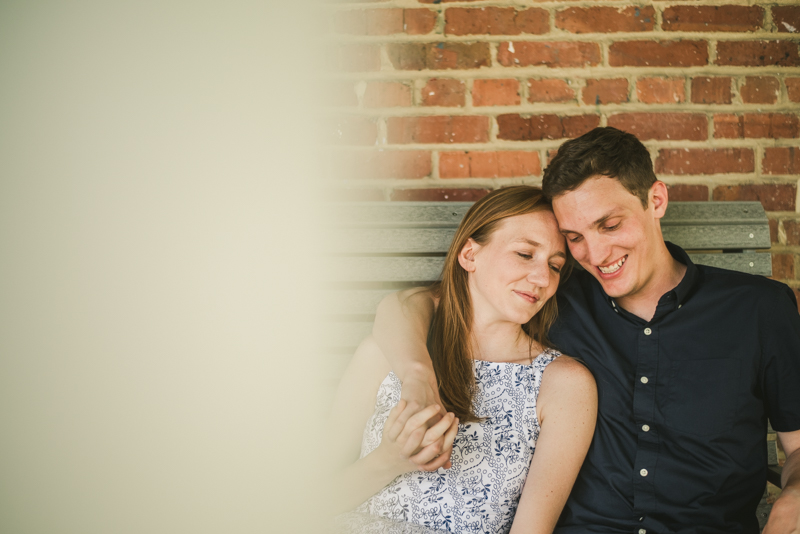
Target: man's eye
{"type": "Point", "coordinates": [523, 255]}
{"type": "Point", "coordinates": [613, 227]}
{"type": "Point", "coordinates": [574, 239]}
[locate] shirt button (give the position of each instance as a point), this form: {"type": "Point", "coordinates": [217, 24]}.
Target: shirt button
{"type": "Point", "coordinates": [642, 531]}
{"type": "Point", "coordinates": [646, 428]}
{"type": "Point", "coordinates": [647, 331]}
{"type": "Point", "coordinates": [643, 472]}
{"type": "Point", "coordinates": [644, 380]}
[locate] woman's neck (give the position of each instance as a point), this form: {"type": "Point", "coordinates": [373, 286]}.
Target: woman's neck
{"type": "Point", "coordinates": [500, 341]}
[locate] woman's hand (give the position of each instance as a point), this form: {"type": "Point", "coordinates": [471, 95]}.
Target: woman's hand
{"type": "Point", "coordinates": [410, 442]}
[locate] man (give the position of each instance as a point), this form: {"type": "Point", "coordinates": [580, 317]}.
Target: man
{"type": "Point", "coordinates": [689, 360]}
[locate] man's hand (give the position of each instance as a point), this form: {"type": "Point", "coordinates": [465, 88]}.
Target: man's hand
{"type": "Point", "coordinates": [403, 445]}
{"type": "Point", "coordinates": [785, 515]}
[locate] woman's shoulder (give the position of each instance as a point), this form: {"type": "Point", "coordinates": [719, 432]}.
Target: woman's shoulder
{"type": "Point", "coordinates": [567, 371]}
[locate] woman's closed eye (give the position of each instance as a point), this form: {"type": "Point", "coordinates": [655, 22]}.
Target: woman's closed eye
{"type": "Point", "coordinates": [524, 255]}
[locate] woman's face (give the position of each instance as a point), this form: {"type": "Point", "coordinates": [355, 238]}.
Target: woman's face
{"type": "Point", "coordinates": [513, 274]}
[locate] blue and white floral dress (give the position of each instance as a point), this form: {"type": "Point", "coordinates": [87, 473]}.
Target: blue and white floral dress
{"type": "Point", "coordinates": [490, 460]}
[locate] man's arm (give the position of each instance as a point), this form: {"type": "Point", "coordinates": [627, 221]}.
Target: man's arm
{"type": "Point", "coordinates": [401, 331]}
{"type": "Point", "coordinates": [785, 515]}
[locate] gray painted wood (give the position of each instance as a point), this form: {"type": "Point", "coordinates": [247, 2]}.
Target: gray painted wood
{"type": "Point", "coordinates": [747, 262]}
{"type": "Point", "coordinates": [437, 240]}
{"type": "Point", "coordinates": [428, 269]}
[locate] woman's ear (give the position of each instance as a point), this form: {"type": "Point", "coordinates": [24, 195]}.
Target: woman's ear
{"type": "Point", "coordinates": [466, 258]}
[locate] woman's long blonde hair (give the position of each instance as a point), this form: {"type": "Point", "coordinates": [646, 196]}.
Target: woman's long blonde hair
{"type": "Point", "coordinates": [449, 337]}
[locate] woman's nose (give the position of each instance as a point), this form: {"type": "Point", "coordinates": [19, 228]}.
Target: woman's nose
{"type": "Point", "coordinates": [539, 275]}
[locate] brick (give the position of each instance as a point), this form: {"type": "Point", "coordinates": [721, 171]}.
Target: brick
{"type": "Point", "coordinates": [495, 92]}
{"type": "Point", "coordinates": [793, 89]}
{"type": "Point", "coordinates": [439, 194]}
{"type": "Point", "coordinates": [515, 127]}
{"type": "Point", "coordinates": [786, 18]}
{"type": "Point", "coordinates": [774, 197]}
{"type": "Point", "coordinates": [606, 19]}
{"type": "Point", "coordinates": [773, 231]}
{"type": "Point", "coordinates": [438, 129]}
{"type": "Point", "coordinates": [782, 266]}
{"type": "Point", "coordinates": [687, 192]}
{"type": "Point", "coordinates": [770, 125]}
{"type": "Point", "coordinates": [758, 53]}
{"type": "Point", "coordinates": [605, 91]}
{"type": "Point", "coordinates": [495, 21]}
{"type": "Point", "coordinates": [419, 21]}
{"type": "Point", "coordinates": [661, 90]}
{"type": "Point", "coordinates": [439, 56]}
{"type": "Point", "coordinates": [756, 125]}
{"type": "Point", "coordinates": [781, 160]}
{"type": "Point", "coordinates": [760, 90]}
{"type": "Point", "coordinates": [705, 160]}
{"type": "Point", "coordinates": [713, 18]}
{"type": "Point", "coordinates": [707, 90]}
{"type": "Point", "coordinates": [444, 1]}
{"type": "Point", "coordinates": [384, 21]}
{"type": "Point", "coordinates": [352, 22]}
{"type": "Point", "coordinates": [354, 131]}
{"type": "Point", "coordinates": [550, 91]}
{"type": "Point", "coordinates": [674, 126]}
{"type": "Point", "coordinates": [792, 230]}
{"type": "Point", "coordinates": [658, 54]}
{"type": "Point", "coordinates": [356, 58]}
{"type": "Point", "coordinates": [444, 92]}
{"type": "Point", "coordinates": [550, 54]}
{"type": "Point", "coordinates": [501, 164]}
{"type": "Point", "coordinates": [387, 94]}
{"type": "Point", "coordinates": [577, 125]}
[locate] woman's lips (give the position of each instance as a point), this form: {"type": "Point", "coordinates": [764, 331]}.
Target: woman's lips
{"type": "Point", "coordinates": [530, 297]}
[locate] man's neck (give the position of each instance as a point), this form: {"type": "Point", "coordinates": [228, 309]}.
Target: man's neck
{"type": "Point", "coordinates": [643, 304]}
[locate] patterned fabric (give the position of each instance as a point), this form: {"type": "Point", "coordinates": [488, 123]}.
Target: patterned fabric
{"type": "Point", "coordinates": [490, 459]}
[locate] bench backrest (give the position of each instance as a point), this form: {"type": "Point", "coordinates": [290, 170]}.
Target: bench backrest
{"type": "Point", "coordinates": [381, 247]}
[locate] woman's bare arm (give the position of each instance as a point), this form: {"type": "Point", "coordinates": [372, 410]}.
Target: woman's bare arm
{"type": "Point", "coordinates": [410, 446]}
{"type": "Point", "coordinates": [567, 410]}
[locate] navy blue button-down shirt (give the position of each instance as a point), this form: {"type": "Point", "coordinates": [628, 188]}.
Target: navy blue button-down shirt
{"type": "Point", "coordinates": [683, 401]}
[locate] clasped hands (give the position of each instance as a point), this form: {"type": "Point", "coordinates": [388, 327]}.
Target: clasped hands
{"type": "Point", "coordinates": [418, 434]}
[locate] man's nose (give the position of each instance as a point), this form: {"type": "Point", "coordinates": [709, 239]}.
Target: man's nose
{"type": "Point", "coordinates": [596, 250]}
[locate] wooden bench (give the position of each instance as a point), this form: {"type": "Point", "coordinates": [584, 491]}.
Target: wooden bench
{"type": "Point", "coordinates": [381, 247]}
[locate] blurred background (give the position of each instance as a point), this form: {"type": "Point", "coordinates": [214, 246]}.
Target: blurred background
{"type": "Point", "coordinates": [158, 263]}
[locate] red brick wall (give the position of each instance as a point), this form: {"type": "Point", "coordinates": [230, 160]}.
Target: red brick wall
{"type": "Point", "coordinates": [436, 100]}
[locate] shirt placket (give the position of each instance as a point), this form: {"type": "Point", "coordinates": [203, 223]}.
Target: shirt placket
{"type": "Point", "coordinates": [644, 399]}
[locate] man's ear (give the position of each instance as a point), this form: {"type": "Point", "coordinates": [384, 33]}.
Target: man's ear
{"type": "Point", "coordinates": [658, 198]}
{"type": "Point", "coordinates": [466, 258]}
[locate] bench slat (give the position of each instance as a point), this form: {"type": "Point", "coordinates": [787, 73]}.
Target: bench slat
{"type": "Point", "coordinates": [423, 269]}
{"type": "Point", "coordinates": [437, 240]}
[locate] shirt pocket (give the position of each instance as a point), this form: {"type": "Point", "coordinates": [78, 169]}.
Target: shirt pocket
{"type": "Point", "coordinates": [702, 395]}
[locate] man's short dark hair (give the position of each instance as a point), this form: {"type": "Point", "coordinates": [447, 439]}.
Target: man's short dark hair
{"type": "Point", "coordinates": [601, 152]}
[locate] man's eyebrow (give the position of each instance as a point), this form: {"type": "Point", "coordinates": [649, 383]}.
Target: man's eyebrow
{"type": "Point", "coordinates": [595, 224]}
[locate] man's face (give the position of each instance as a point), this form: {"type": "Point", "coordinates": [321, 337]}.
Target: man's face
{"type": "Point", "coordinates": [612, 235]}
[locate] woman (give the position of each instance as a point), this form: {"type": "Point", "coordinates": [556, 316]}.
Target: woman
{"type": "Point", "coordinates": [506, 392]}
